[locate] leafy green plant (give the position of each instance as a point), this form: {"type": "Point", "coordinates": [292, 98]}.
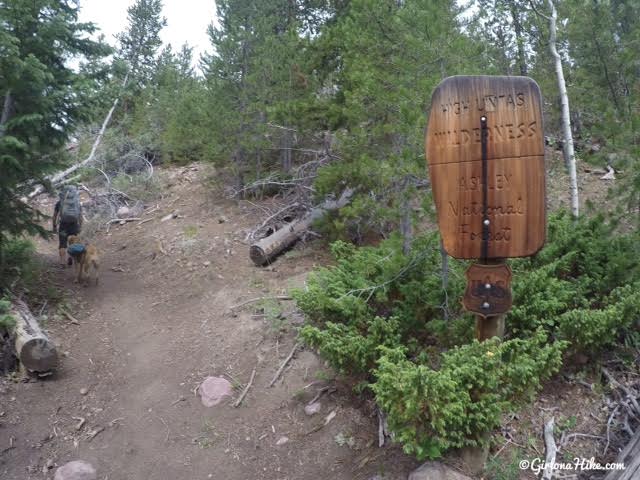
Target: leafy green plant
{"type": "Point", "coordinates": [375, 296]}
{"type": "Point", "coordinates": [272, 313]}
{"type": "Point", "coordinates": [595, 330]}
{"type": "Point", "coordinates": [455, 406]}
{"type": "Point", "coordinates": [567, 424]}
{"type": "Point", "coordinates": [7, 322]}
{"type": "Point", "coordinates": [509, 469]}
{"type": "Point", "coordinates": [17, 263]}
{"type": "Point", "coordinates": [190, 231]}
{"type": "Point", "coordinates": [138, 186]}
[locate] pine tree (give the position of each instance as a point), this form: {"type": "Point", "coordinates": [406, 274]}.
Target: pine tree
{"type": "Point", "coordinates": [390, 55]}
{"type": "Point", "coordinates": [140, 41]}
{"type": "Point", "coordinates": [171, 113]}
{"type": "Point", "coordinates": [505, 28]}
{"type": "Point", "coordinates": [42, 98]}
{"type": "Point", "coordinates": [261, 81]}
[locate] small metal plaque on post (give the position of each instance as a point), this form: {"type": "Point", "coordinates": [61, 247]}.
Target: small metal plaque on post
{"type": "Point", "coordinates": [488, 290]}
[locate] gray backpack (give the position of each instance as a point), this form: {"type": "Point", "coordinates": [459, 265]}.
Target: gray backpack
{"type": "Point", "coordinates": [70, 210]}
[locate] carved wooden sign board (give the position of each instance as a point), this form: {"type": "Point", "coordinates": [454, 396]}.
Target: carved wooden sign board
{"type": "Point", "coordinates": [485, 151]}
{"type": "Point", "coordinates": [488, 289]}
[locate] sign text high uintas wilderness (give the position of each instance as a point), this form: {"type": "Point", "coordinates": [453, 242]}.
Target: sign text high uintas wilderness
{"type": "Point", "coordinates": [497, 212]}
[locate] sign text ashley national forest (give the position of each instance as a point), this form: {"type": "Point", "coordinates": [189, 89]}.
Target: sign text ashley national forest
{"type": "Point", "coordinates": [485, 151]}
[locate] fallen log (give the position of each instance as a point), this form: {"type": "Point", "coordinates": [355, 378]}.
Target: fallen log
{"type": "Point", "coordinates": [266, 249]}
{"type": "Point", "coordinates": [551, 450]}
{"type": "Point", "coordinates": [630, 458]}
{"type": "Point", "coordinates": [33, 348]}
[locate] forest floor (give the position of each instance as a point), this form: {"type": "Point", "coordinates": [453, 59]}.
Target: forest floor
{"type": "Point", "coordinates": [153, 329]}
{"type": "Point", "coordinates": [161, 321]}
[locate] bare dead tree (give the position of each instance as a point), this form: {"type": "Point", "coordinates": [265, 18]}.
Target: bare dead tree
{"type": "Point", "coordinates": [56, 178]}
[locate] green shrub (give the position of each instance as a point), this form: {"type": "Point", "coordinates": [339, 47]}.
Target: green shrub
{"type": "Point", "coordinates": [17, 263]}
{"type": "Point", "coordinates": [7, 322]}
{"type": "Point", "coordinates": [572, 287]}
{"type": "Point", "coordinates": [588, 252]}
{"type": "Point", "coordinates": [592, 331]}
{"type": "Point", "coordinates": [138, 186]}
{"type": "Point", "coordinates": [349, 349]}
{"type": "Point", "coordinates": [456, 405]}
{"type": "Point", "coordinates": [375, 296]}
{"type": "Point", "coordinates": [378, 314]}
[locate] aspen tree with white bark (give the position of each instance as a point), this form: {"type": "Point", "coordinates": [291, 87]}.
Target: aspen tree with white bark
{"type": "Point", "coordinates": [567, 135]}
{"type": "Point", "coordinates": [569, 154]}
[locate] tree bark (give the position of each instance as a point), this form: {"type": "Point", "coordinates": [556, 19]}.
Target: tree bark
{"type": "Point", "coordinates": [517, 25]}
{"type": "Point", "coordinates": [568, 151]}
{"type": "Point", "coordinates": [60, 175]}
{"type": "Point", "coordinates": [285, 151]}
{"type": "Point", "coordinates": [406, 228]}
{"type": "Point", "coordinates": [6, 112]}
{"type": "Point", "coordinates": [34, 349]}
{"type": "Point", "coordinates": [265, 250]}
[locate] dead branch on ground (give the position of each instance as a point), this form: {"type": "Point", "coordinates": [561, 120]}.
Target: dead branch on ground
{"type": "Point", "coordinates": [284, 364]}
{"type": "Point", "coordinates": [246, 388]}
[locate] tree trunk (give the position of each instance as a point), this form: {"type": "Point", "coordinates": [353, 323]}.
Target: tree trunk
{"type": "Point", "coordinates": [34, 349]}
{"type": "Point", "coordinates": [517, 25]}
{"type": "Point", "coordinates": [238, 160]}
{"type": "Point", "coordinates": [285, 150]}
{"type": "Point", "coordinates": [568, 151]}
{"type": "Point", "coordinates": [6, 112]}
{"type": "Point", "coordinates": [266, 249]}
{"type": "Point", "coordinates": [60, 175]}
{"type": "Point", "coordinates": [406, 228]}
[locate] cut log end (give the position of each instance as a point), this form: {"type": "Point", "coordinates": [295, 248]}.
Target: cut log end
{"type": "Point", "coordinates": [257, 255]}
{"type": "Point", "coordinates": [38, 355]}
{"type": "Point", "coordinates": [33, 348]}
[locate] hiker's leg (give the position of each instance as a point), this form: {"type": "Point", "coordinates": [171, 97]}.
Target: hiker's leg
{"type": "Point", "coordinates": [62, 245]}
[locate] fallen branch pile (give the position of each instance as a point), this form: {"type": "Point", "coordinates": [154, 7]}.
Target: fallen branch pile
{"type": "Point", "coordinates": [624, 409]}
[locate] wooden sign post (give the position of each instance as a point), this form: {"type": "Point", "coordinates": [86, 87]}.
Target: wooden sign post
{"type": "Point", "coordinates": [485, 152]}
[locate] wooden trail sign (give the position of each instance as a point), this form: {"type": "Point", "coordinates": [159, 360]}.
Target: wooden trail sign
{"type": "Point", "coordinates": [485, 151]}
{"type": "Point", "coordinates": [488, 289]}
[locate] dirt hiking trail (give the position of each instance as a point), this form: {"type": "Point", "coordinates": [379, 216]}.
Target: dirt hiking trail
{"type": "Point", "coordinates": [160, 322]}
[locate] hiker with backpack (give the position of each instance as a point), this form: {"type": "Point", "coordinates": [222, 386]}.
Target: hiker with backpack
{"type": "Point", "coordinates": [67, 218]}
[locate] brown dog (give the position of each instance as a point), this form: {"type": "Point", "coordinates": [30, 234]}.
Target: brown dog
{"type": "Point", "coordinates": [84, 260]}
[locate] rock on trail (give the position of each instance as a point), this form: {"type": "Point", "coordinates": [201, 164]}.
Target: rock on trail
{"type": "Point", "coordinates": [76, 470]}
{"type": "Point", "coordinates": [213, 390]}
